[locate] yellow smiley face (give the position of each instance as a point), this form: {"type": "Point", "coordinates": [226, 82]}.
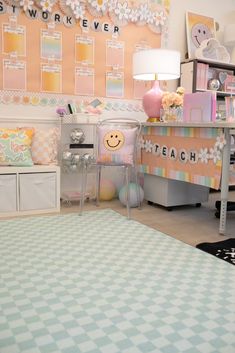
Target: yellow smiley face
{"type": "Point", "coordinates": [114, 140]}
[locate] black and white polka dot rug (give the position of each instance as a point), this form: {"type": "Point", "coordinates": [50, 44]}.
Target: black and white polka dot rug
{"type": "Point", "coordinates": [224, 250]}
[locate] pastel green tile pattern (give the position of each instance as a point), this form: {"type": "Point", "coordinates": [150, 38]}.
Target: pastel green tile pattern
{"type": "Point", "coordinates": [100, 283]}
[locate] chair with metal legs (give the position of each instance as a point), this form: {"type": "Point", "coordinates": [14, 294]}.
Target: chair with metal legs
{"type": "Point", "coordinates": [116, 145]}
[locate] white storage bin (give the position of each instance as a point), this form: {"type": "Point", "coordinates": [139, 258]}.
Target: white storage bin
{"type": "Point", "coordinates": [37, 191]}
{"type": "Point", "coordinates": [170, 193]}
{"type": "Point", "coordinates": [8, 194]}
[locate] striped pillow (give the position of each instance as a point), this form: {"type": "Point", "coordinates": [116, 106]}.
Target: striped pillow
{"type": "Point", "coordinates": [45, 146]}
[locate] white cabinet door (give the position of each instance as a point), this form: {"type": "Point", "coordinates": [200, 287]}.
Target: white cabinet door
{"type": "Point", "coordinates": [37, 191]}
{"type": "Point", "coordinates": [8, 198]}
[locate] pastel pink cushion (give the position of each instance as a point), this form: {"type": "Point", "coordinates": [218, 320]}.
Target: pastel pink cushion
{"type": "Point", "coordinates": [116, 145]}
{"type": "Point", "coordinates": [44, 147]}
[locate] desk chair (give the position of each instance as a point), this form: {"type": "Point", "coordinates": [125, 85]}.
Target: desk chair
{"type": "Point", "coordinates": [116, 145]}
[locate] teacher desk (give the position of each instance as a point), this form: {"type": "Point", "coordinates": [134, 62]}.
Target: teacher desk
{"type": "Point", "coordinates": [228, 130]}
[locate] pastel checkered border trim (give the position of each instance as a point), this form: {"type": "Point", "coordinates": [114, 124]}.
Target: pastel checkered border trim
{"type": "Point", "coordinates": [43, 99]}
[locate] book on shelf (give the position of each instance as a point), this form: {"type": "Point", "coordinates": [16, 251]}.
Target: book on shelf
{"type": "Point", "coordinates": [202, 76]}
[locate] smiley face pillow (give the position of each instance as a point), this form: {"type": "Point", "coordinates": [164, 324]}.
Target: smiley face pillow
{"type": "Point", "coordinates": [116, 145]}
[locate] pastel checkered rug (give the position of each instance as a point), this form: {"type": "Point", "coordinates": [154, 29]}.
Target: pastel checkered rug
{"type": "Point", "coordinates": [100, 283]}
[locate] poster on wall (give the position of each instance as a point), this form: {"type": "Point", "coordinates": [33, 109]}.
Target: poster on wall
{"type": "Point", "coordinates": [84, 49]}
{"type": "Point", "coordinates": [14, 75]}
{"type": "Point", "coordinates": [199, 28]}
{"type": "Point", "coordinates": [51, 45]}
{"type": "Point", "coordinates": [13, 39]}
{"type": "Point", "coordinates": [51, 78]}
{"type": "Point", "coordinates": [84, 81]}
{"type": "Point", "coordinates": [115, 84]}
{"type": "Point", "coordinates": [115, 53]}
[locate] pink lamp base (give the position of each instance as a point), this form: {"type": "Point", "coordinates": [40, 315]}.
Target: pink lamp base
{"type": "Point", "coordinates": [152, 101]}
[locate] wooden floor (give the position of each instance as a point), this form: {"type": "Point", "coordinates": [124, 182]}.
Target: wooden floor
{"type": "Point", "coordinates": [189, 224]}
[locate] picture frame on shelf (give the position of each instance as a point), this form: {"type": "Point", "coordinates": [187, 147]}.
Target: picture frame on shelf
{"type": "Point", "coordinates": [198, 29]}
{"type": "Point", "coordinates": [229, 84]}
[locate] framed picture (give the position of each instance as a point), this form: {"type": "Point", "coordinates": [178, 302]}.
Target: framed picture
{"type": "Point", "coordinates": [199, 28]}
{"type": "Point", "coordinates": [229, 84]}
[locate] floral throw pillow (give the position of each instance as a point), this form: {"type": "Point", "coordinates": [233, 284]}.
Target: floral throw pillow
{"type": "Point", "coordinates": [15, 147]}
{"type": "Point", "coordinates": [116, 145]}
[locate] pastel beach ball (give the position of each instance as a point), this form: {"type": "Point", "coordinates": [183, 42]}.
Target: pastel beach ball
{"type": "Point", "coordinates": [133, 195]}
{"type": "Point", "coordinates": [107, 190]}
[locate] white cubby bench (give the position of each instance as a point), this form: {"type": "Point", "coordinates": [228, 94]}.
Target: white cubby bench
{"type": "Point", "coordinates": [29, 190]}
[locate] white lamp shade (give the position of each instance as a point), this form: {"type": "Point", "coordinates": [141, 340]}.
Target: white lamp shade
{"type": "Point", "coordinates": [229, 35]}
{"type": "Point", "coordinates": [160, 64]}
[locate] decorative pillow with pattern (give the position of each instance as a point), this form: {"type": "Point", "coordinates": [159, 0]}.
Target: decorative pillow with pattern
{"type": "Point", "coordinates": [15, 147]}
{"type": "Point", "coordinates": [45, 146]}
{"type": "Point", "coordinates": [116, 145]}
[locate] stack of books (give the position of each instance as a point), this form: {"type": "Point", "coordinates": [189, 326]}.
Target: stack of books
{"type": "Point", "coordinates": [205, 73]}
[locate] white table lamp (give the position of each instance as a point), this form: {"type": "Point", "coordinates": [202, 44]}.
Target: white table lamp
{"type": "Point", "coordinates": [155, 65]}
{"type": "Point", "coordinates": [229, 39]}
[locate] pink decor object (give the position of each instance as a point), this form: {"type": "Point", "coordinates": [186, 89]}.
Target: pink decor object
{"type": "Point", "coordinates": [155, 65]}
{"type": "Point", "coordinates": [199, 107]}
{"type": "Point", "coordinates": [152, 101]}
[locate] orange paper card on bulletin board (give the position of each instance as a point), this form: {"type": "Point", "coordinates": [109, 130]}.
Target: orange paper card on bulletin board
{"type": "Point", "coordinates": [84, 81]}
{"type": "Point", "coordinates": [84, 49]}
{"type": "Point", "coordinates": [51, 78]}
{"type": "Point", "coordinates": [13, 39]}
{"type": "Point", "coordinates": [14, 75]}
{"type": "Point", "coordinates": [114, 53]}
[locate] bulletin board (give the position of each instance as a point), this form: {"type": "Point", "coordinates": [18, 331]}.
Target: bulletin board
{"type": "Point", "coordinates": [78, 47]}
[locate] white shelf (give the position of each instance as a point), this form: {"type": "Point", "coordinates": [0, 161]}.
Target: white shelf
{"type": "Point", "coordinates": [29, 190]}
{"type": "Point", "coordinates": [217, 92]}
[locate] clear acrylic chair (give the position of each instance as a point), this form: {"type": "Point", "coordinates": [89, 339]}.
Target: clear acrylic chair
{"type": "Point", "coordinates": [116, 145]}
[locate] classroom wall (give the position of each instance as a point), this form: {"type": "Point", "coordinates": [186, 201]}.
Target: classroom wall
{"type": "Point", "coordinates": [52, 63]}
{"type": "Point", "coordinates": [222, 11]}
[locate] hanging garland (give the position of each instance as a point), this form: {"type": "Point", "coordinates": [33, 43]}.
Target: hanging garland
{"type": "Point", "coordinates": [159, 20]}
{"type": "Point", "coordinates": [97, 7]}
{"type": "Point", "coordinates": [64, 8]}
{"type": "Point", "coordinates": [26, 4]}
{"type": "Point", "coordinates": [121, 12]}
{"type": "Point", "coordinates": [13, 2]}
{"type": "Point", "coordinates": [45, 5]}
